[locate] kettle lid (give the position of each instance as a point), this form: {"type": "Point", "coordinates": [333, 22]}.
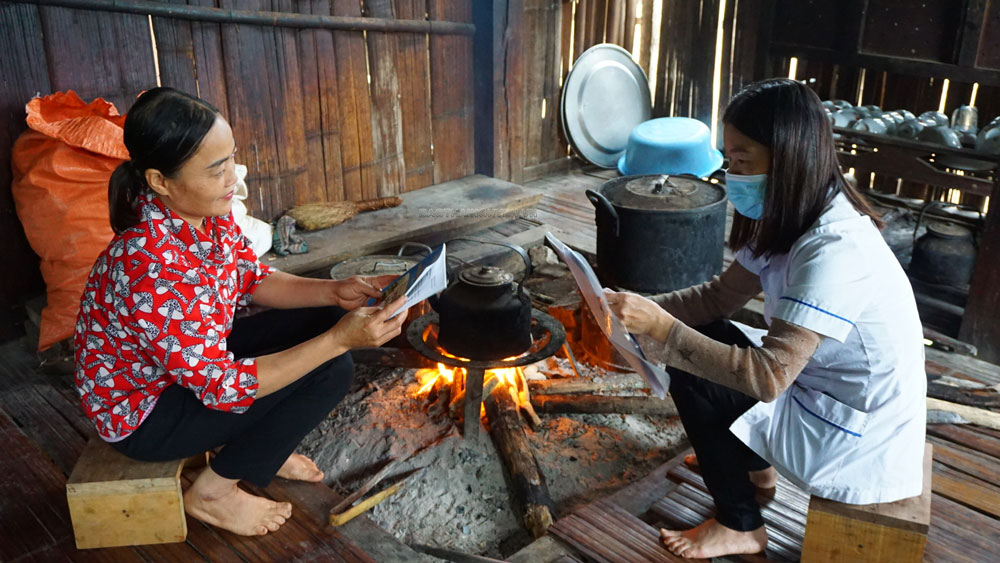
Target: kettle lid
{"type": "Point", "coordinates": [949, 230]}
{"type": "Point", "coordinates": [486, 276]}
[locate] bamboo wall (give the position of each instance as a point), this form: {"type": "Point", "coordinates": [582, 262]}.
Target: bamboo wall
{"type": "Point", "coordinates": [318, 115]}
{"type": "Point", "coordinates": [675, 42]}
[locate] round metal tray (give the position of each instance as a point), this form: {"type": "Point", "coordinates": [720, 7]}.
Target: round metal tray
{"type": "Point", "coordinates": [605, 95]}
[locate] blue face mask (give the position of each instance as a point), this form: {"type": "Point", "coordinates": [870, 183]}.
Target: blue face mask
{"type": "Point", "coordinates": [747, 193]}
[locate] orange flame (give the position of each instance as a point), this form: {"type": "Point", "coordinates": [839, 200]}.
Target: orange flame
{"type": "Point", "coordinates": [509, 378]}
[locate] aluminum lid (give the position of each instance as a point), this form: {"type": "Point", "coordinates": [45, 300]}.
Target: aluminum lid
{"type": "Point", "coordinates": [604, 97]}
{"type": "Point", "coordinates": [661, 192]}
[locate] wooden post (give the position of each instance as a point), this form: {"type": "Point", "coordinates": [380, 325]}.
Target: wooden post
{"type": "Point", "coordinates": [979, 324]}
{"type": "Point", "coordinates": [524, 478]}
{"type": "Point", "coordinates": [499, 64]}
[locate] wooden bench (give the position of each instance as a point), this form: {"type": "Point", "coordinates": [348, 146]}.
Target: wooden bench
{"type": "Point", "coordinates": [116, 501]}
{"type": "Point", "coordinates": [895, 531]}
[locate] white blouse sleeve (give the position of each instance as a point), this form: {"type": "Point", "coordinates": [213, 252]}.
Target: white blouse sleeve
{"type": "Point", "coordinates": [829, 285]}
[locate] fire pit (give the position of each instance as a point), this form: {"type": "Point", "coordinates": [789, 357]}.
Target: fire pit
{"type": "Point", "coordinates": [547, 336]}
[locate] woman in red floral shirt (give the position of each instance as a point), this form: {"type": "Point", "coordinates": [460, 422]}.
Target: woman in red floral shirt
{"type": "Point", "coordinates": [162, 367]}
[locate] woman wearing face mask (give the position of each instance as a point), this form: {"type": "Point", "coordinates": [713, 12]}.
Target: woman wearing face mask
{"type": "Point", "coordinates": [832, 396]}
{"type": "Point", "coordinates": [163, 369]}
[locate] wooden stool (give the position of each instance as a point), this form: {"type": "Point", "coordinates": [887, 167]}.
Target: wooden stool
{"type": "Point", "coordinates": [895, 531]}
{"type": "Point", "coordinates": [114, 500]}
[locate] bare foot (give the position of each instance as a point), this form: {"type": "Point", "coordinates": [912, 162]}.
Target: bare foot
{"type": "Point", "coordinates": [711, 539]}
{"type": "Point", "coordinates": [300, 468]}
{"type": "Point", "coordinates": [218, 501]}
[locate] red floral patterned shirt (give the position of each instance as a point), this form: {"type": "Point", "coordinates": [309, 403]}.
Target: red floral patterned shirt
{"type": "Point", "coordinates": [156, 311]}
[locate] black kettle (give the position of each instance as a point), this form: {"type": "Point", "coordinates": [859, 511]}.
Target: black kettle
{"type": "Point", "coordinates": [484, 315]}
{"type": "Point", "coordinates": [946, 253]}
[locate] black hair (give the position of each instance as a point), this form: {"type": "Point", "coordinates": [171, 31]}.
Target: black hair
{"type": "Point", "coordinates": [163, 129]}
{"type": "Point", "coordinates": [788, 118]}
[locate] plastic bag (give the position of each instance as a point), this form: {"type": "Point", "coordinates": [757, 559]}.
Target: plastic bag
{"type": "Point", "coordinates": [257, 231]}
{"type": "Point", "coordinates": [61, 166]}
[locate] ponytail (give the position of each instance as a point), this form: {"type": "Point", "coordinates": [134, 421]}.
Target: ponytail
{"type": "Point", "coordinates": [163, 129]}
{"type": "Point", "coordinates": [126, 185]}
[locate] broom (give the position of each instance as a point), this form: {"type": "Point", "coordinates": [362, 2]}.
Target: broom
{"type": "Point", "coordinates": [313, 216]}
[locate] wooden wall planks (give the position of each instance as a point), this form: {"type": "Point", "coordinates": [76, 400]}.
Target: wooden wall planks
{"type": "Point", "coordinates": [451, 95]}
{"type": "Point", "coordinates": [24, 61]}
{"type": "Point", "coordinates": [413, 70]}
{"type": "Point", "coordinates": [318, 115]}
{"type": "Point", "coordinates": [387, 119]}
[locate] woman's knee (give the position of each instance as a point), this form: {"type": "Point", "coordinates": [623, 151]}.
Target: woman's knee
{"type": "Point", "coordinates": [335, 376]}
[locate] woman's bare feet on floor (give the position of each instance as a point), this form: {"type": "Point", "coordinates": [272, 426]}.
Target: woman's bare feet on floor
{"type": "Point", "coordinates": [300, 468]}
{"type": "Point", "coordinates": [218, 501]}
{"type": "Point", "coordinates": [711, 539]}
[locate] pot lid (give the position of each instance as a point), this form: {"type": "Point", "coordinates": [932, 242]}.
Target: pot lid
{"type": "Point", "coordinates": [949, 230]}
{"type": "Point", "coordinates": [375, 265]}
{"type": "Point", "coordinates": [662, 192]}
{"type": "Point", "coordinates": [486, 276]}
{"type": "Point", "coordinates": [605, 95]}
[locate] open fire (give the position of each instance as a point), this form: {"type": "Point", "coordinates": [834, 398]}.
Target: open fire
{"type": "Point", "coordinates": [448, 383]}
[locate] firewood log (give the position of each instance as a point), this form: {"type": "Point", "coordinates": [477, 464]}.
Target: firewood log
{"type": "Point", "coordinates": [525, 480]}
{"type": "Point", "coordinates": [604, 404]}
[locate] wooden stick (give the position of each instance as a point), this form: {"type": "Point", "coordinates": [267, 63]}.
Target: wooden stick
{"type": "Point", "coordinates": [968, 397]}
{"type": "Point", "coordinates": [581, 385]}
{"type": "Point", "coordinates": [345, 517]}
{"type": "Point", "coordinates": [367, 486]}
{"type": "Point", "coordinates": [524, 401]}
{"type": "Point", "coordinates": [981, 417]}
{"type": "Point", "coordinates": [525, 480]}
{"type": "Point", "coordinates": [604, 404]}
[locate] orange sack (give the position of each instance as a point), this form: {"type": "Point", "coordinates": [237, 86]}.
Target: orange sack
{"type": "Point", "coordinates": [62, 165]}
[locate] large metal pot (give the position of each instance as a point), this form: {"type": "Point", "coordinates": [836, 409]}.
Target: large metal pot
{"type": "Point", "coordinates": [659, 233]}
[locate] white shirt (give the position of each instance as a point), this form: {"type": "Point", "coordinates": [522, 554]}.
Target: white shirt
{"type": "Point", "coordinates": [851, 426]}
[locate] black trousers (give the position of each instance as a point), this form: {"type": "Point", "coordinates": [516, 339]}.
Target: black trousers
{"type": "Point", "coordinates": [257, 442]}
{"type": "Point", "coordinates": [707, 410]}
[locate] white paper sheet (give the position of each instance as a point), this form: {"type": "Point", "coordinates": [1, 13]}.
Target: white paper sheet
{"type": "Point", "coordinates": [657, 379]}
{"type": "Point", "coordinates": [424, 279]}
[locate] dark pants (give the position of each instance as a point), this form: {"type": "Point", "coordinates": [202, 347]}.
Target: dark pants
{"type": "Point", "coordinates": [257, 442]}
{"type": "Point", "coordinates": [707, 410]}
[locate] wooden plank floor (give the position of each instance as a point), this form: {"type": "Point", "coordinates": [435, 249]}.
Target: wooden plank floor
{"type": "Point", "coordinates": [965, 510]}
{"type": "Point", "coordinates": [42, 432]}
{"type": "Point", "coordinates": [965, 506]}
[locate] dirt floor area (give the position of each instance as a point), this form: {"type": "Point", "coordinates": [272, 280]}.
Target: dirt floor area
{"type": "Point", "coordinates": [458, 498]}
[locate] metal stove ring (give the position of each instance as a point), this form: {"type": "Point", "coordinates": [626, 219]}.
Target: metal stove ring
{"type": "Point", "coordinates": [544, 328]}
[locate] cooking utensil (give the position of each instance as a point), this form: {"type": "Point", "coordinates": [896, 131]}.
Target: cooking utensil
{"type": "Point", "coordinates": [965, 119]}
{"type": "Point", "coordinates": [314, 216]}
{"type": "Point", "coordinates": [484, 315]}
{"type": "Point", "coordinates": [658, 233]}
{"type": "Point", "coordinates": [670, 145]}
{"type": "Point", "coordinates": [604, 97]}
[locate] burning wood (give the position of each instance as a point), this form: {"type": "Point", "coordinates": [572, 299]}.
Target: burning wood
{"type": "Point", "coordinates": [526, 482]}
{"type": "Point", "coordinates": [580, 385]}
{"type": "Point", "coordinates": [444, 388]}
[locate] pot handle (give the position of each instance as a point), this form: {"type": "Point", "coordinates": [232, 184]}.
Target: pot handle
{"type": "Point", "coordinates": [601, 203]}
